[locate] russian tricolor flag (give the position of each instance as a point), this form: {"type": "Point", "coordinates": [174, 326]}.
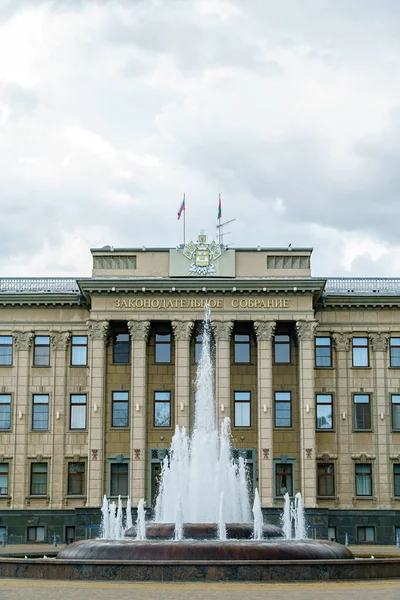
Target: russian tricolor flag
{"type": "Point", "coordinates": [182, 208]}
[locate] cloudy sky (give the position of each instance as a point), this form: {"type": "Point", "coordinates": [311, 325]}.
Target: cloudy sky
{"type": "Point", "coordinates": [110, 110]}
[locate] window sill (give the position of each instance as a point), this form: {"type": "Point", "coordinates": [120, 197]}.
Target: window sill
{"type": "Point", "coordinates": [120, 364]}
{"type": "Point", "coordinates": [39, 431]}
{"type": "Point", "coordinates": [41, 366]}
{"type": "Point", "coordinates": [325, 431]}
{"type": "Point", "coordinates": [79, 366]}
{"type": "Point", "coordinates": [363, 431]}
{"type": "Point", "coordinates": [327, 497]}
{"type": "Point", "coordinates": [373, 498]}
{"type": "Point", "coordinates": [122, 428]}
{"type": "Point", "coordinates": [6, 366]}
{"type": "Point", "coordinates": [76, 496]}
{"type": "Point", "coordinates": [324, 368]}
{"type": "Point", "coordinates": [77, 431]}
{"type": "Point", "coordinates": [361, 368]}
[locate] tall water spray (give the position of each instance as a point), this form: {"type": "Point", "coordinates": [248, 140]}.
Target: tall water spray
{"type": "Point", "coordinates": [258, 517]}
{"type": "Point", "coordinates": [200, 468]}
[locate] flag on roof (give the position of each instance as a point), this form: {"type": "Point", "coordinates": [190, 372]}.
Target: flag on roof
{"type": "Point", "coordinates": [182, 208]}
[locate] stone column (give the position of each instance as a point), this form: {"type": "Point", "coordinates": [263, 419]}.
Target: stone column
{"type": "Point", "coordinates": [21, 476]}
{"type": "Point", "coordinates": [306, 336]}
{"type": "Point", "coordinates": [182, 332]}
{"type": "Point", "coordinates": [98, 334]}
{"type": "Point", "coordinates": [139, 331]}
{"type": "Point", "coordinates": [382, 476]}
{"type": "Point", "coordinates": [265, 333]}
{"type": "Point", "coordinates": [222, 334]}
{"type": "Point", "coordinates": [60, 409]}
{"type": "Point", "coordinates": [344, 426]}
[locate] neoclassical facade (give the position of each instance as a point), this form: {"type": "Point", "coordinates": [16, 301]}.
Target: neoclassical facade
{"type": "Point", "coordinates": [95, 374]}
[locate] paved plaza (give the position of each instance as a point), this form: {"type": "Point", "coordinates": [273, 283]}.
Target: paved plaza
{"type": "Point", "coordinates": [13, 589]}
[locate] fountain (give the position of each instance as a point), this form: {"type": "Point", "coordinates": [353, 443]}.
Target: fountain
{"type": "Point", "coordinates": [203, 510]}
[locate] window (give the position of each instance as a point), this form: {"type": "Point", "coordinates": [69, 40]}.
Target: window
{"type": "Point", "coordinates": [38, 479]}
{"type": "Point", "coordinates": [79, 350]}
{"type": "Point", "coordinates": [198, 347]}
{"type": "Point", "coordinates": [40, 413]}
{"type": "Point", "coordinates": [5, 411]}
{"type": "Point", "coordinates": [362, 412]}
{"type": "Point", "coordinates": [120, 409]}
{"type": "Point", "coordinates": [323, 352]}
{"type": "Point", "coordinates": [365, 534]}
{"type": "Point", "coordinates": [283, 409]}
{"type": "Point", "coordinates": [282, 349]}
{"type": "Point", "coordinates": [396, 412]}
{"type": "Point", "coordinates": [78, 411]}
{"type": "Point", "coordinates": [162, 409]}
{"type": "Point", "coordinates": [6, 348]}
{"type": "Point", "coordinates": [360, 352]}
{"type": "Point", "coordinates": [396, 480]}
{"type": "Point", "coordinates": [283, 479]}
{"type": "Point", "coordinates": [76, 479]}
{"type": "Point", "coordinates": [122, 348]}
{"type": "Point", "coordinates": [397, 535]}
{"type": "Point", "coordinates": [119, 479]}
{"type": "Point", "coordinates": [242, 409]}
{"type": "Point", "coordinates": [325, 479]}
{"type": "Point", "coordinates": [363, 480]}
{"type": "Point", "coordinates": [163, 347]}
{"type": "Point", "coordinates": [3, 533]}
{"type": "Point", "coordinates": [332, 533]}
{"type": "Point", "coordinates": [4, 479]}
{"type": "Point", "coordinates": [324, 411]}
{"type": "Point", "coordinates": [241, 348]}
{"type": "Point", "coordinates": [395, 352]}
{"type": "Point", "coordinates": [41, 351]}
{"type": "Point", "coordinates": [36, 534]}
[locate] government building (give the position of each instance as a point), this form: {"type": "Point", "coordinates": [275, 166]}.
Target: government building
{"type": "Point", "coordinates": [96, 372]}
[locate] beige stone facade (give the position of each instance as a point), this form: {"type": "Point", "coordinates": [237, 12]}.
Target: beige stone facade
{"type": "Point", "coordinates": [316, 422]}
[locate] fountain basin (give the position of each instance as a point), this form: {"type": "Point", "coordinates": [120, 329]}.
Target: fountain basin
{"type": "Point", "coordinates": [209, 551]}
{"type": "Point", "coordinates": [205, 531]}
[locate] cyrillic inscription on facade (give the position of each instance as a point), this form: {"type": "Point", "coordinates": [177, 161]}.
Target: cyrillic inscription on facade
{"type": "Point", "coordinates": [198, 303]}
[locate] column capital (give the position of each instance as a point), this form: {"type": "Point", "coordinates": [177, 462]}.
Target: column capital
{"type": "Point", "coordinates": [265, 330]}
{"type": "Point", "coordinates": [23, 339]}
{"type": "Point", "coordinates": [60, 340]}
{"type": "Point", "coordinates": [222, 330]}
{"type": "Point", "coordinates": [341, 341]}
{"type": "Point", "coordinates": [98, 330]}
{"type": "Point", "coordinates": [139, 330]}
{"type": "Point", "coordinates": [182, 330]}
{"type": "Point", "coordinates": [306, 330]}
{"type": "Point", "coordinates": [379, 341]}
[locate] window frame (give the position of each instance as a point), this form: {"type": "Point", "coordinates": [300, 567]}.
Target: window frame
{"type": "Point", "coordinates": [71, 405]}
{"type": "Point", "coordinates": [359, 528]}
{"type": "Point", "coordinates": [282, 343]}
{"type": "Point", "coordinates": [10, 412]}
{"type": "Point", "coordinates": [317, 404]}
{"type": "Point", "coordinates": [355, 428]}
{"type": "Point", "coordinates": [113, 463]}
{"type": "Point", "coordinates": [327, 475]}
{"type": "Point", "coordinates": [86, 346]}
{"type": "Point", "coordinates": [82, 475]}
{"type": "Point", "coordinates": [6, 473]}
{"type": "Point", "coordinates": [163, 401]}
{"type": "Point", "coordinates": [46, 472]}
{"type": "Point", "coordinates": [36, 540]}
{"type": "Point", "coordinates": [128, 343]}
{"type": "Point", "coordinates": [249, 402]}
{"type": "Point", "coordinates": [392, 405]}
{"type": "Point", "coordinates": [283, 401]}
{"type": "Point", "coordinates": [158, 343]}
{"type": "Point", "coordinates": [284, 461]}
{"type": "Point", "coordinates": [33, 428]}
{"type": "Point", "coordinates": [392, 366]}
{"type": "Point", "coordinates": [396, 479]}
{"type": "Point", "coordinates": [360, 346]}
{"type": "Point", "coordinates": [237, 343]}
{"type": "Point", "coordinates": [369, 475]}
{"type": "Point", "coordinates": [115, 401]}
{"type": "Point", "coordinates": [323, 337]}
{"type": "Point", "coordinates": [42, 345]}
{"type": "Point", "coordinates": [2, 345]}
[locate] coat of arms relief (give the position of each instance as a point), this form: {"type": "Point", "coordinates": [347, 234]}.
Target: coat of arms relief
{"type": "Point", "coordinates": [202, 255]}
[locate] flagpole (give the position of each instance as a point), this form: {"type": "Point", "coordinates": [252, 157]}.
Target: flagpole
{"type": "Point", "coordinates": [184, 222]}
{"type": "Point", "coordinates": [219, 219]}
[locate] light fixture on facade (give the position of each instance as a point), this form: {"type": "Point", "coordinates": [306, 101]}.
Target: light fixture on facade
{"type": "Point", "coordinates": [265, 408]}
{"type": "Point", "coordinates": [95, 407]}
{"type": "Point", "coordinates": [382, 416]}
{"type": "Point", "coordinates": [307, 408]}
{"type": "Point", "coordinates": [182, 407]}
{"type": "Point", "coordinates": [137, 406]}
{"type": "Point", "coordinates": [343, 415]}
{"type": "Point", "coordinates": [143, 289]}
{"type": "Point", "coordinates": [57, 414]}
{"type": "Point", "coordinates": [222, 408]}
{"type": "Point", "coordinates": [20, 414]}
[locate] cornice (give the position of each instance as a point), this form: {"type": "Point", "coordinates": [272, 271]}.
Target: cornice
{"type": "Point", "coordinates": [41, 299]}
{"type": "Point", "coordinates": [355, 302]}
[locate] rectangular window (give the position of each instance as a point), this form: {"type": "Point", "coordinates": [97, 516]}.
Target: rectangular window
{"type": "Point", "coordinates": [41, 351]}
{"type": "Point", "coordinates": [365, 534]}
{"type": "Point", "coordinates": [283, 479]}
{"type": "Point", "coordinates": [120, 409]}
{"type": "Point", "coordinates": [395, 352]}
{"type": "Point", "coordinates": [122, 349]}
{"type": "Point", "coordinates": [163, 347]}
{"type": "Point", "coordinates": [119, 479]}
{"type": "Point", "coordinates": [198, 347]}
{"type": "Point", "coordinates": [6, 350]}
{"type": "Point", "coordinates": [360, 352]}
{"type": "Point", "coordinates": [363, 480]}
{"type": "Point", "coordinates": [396, 480]}
{"type": "Point", "coordinates": [76, 479]}
{"type": "Point", "coordinates": [324, 411]}
{"type": "Point", "coordinates": [3, 533]}
{"type": "Point", "coordinates": [38, 479]}
{"type": "Point", "coordinates": [242, 348]}
{"type": "Point", "coordinates": [282, 349]}
{"type": "Point", "coordinates": [396, 412]}
{"type": "Point", "coordinates": [5, 411]}
{"type": "Point", "coordinates": [162, 409]}
{"type": "Point", "coordinates": [326, 479]}
{"type": "Point", "coordinates": [36, 534]}
{"type": "Point", "coordinates": [242, 409]}
{"type": "Point", "coordinates": [78, 411]}
{"type": "Point", "coordinates": [362, 412]}
{"type": "Point", "coordinates": [4, 479]}
{"type": "Point", "coordinates": [283, 409]}
{"type": "Point", "coordinates": [323, 352]}
{"type": "Point", "coordinates": [40, 412]}
{"type": "Point", "coordinates": [79, 346]}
